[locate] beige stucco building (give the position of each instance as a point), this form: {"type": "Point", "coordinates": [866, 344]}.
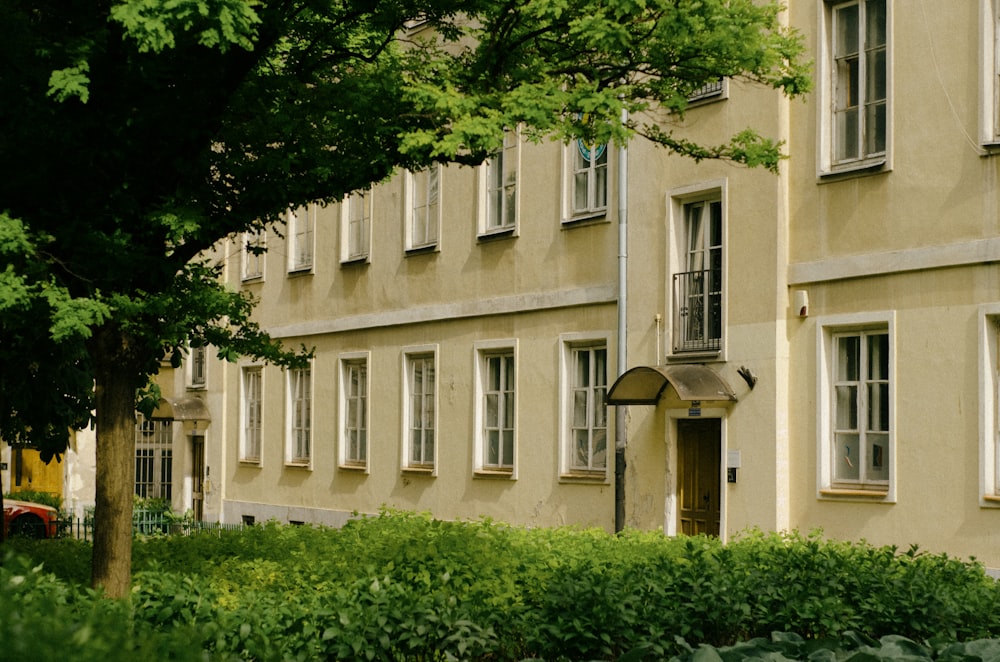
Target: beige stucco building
{"type": "Point", "coordinates": [816, 348]}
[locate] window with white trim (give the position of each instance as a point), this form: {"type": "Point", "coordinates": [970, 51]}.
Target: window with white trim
{"type": "Point", "coordinates": [354, 411]}
{"type": "Point", "coordinates": [422, 208]}
{"type": "Point", "coordinates": [698, 280]}
{"type": "Point", "coordinates": [857, 451]}
{"type": "Point", "coordinates": [420, 410]}
{"type": "Point", "coordinates": [989, 113]}
{"type": "Point", "coordinates": [298, 408]}
{"type": "Point", "coordinates": [496, 409]}
{"type": "Point", "coordinates": [300, 232]}
{"type": "Point", "coordinates": [251, 412]}
{"type": "Point", "coordinates": [197, 366]}
{"type": "Point", "coordinates": [715, 90]}
{"type": "Point", "coordinates": [855, 101]}
{"type": "Point", "coordinates": [989, 405]}
{"type": "Point", "coordinates": [498, 188]}
{"type": "Point", "coordinates": [586, 180]}
{"type": "Point", "coordinates": [253, 254]}
{"type": "Point", "coordinates": [585, 417]}
{"type": "Point", "coordinates": [356, 226]}
{"type": "Point", "coordinates": [153, 457]}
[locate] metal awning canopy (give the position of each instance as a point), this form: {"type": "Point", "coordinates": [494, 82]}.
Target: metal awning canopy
{"type": "Point", "coordinates": [690, 382]}
{"type": "Point", "coordinates": [182, 409]}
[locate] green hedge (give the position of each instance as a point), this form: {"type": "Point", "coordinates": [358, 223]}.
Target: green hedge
{"type": "Point", "coordinates": [405, 586]}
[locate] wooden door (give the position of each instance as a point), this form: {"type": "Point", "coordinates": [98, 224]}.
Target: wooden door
{"type": "Point", "coordinates": [699, 471]}
{"type": "Point", "coordinates": [197, 476]}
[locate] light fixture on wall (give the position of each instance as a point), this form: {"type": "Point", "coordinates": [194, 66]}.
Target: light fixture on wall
{"type": "Point", "coordinates": [747, 375]}
{"type": "Point", "coordinates": [800, 303]}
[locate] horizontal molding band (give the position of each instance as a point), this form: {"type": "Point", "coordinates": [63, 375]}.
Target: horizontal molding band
{"type": "Point", "coordinates": [980, 251]}
{"type": "Point", "coordinates": [518, 303]}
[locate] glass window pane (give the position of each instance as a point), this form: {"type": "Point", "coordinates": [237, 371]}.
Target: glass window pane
{"type": "Point", "coordinates": [847, 408]}
{"type": "Point", "coordinates": [877, 451]}
{"type": "Point", "coordinates": [846, 29]}
{"type": "Point", "coordinates": [878, 356]}
{"type": "Point", "coordinates": [875, 23]}
{"type": "Point", "coordinates": [847, 461]}
{"type": "Point", "coordinates": [848, 358]}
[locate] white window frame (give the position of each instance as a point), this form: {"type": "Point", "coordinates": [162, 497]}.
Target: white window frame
{"type": "Point", "coordinates": [355, 245]}
{"type": "Point", "coordinates": [154, 447]}
{"type": "Point", "coordinates": [252, 265]}
{"type": "Point", "coordinates": [484, 351]}
{"type": "Point", "coordinates": [830, 328]}
{"type": "Point", "coordinates": [493, 221]}
{"type": "Point", "coordinates": [579, 162]}
{"type": "Point", "coordinates": [678, 203]}
{"type": "Point", "coordinates": [989, 405]}
{"type": "Point", "coordinates": [299, 407]}
{"type": "Point", "coordinates": [570, 344]}
{"type": "Point", "coordinates": [989, 86]}
{"type": "Point", "coordinates": [300, 239]}
{"type": "Point", "coordinates": [422, 208]}
{"type": "Point", "coordinates": [196, 369]}
{"type": "Point", "coordinates": [421, 424]}
{"type": "Point", "coordinates": [829, 164]}
{"type": "Point", "coordinates": [251, 415]}
{"type": "Point", "coordinates": [348, 458]}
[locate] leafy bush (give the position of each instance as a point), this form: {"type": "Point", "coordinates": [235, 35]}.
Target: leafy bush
{"type": "Point", "coordinates": [406, 586]}
{"type": "Point", "coordinates": [35, 496]}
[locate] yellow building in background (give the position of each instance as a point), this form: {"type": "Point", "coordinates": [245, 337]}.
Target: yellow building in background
{"type": "Point", "coordinates": [816, 348]}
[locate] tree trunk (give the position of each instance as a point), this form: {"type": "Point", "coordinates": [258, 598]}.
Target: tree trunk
{"type": "Point", "coordinates": [115, 377]}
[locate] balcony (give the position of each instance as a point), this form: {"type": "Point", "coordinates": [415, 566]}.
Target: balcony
{"type": "Point", "coordinates": [697, 311]}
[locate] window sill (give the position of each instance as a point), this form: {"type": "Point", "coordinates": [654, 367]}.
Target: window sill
{"type": "Point", "coordinates": [992, 500]}
{"type": "Point", "coordinates": [422, 250]}
{"type": "Point", "coordinates": [295, 272]}
{"type": "Point", "coordinates": [856, 169]}
{"type": "Point", "coordinates": [196, 387]}
{"type": "Point", "coordinates": [494, 473]}
{"type": "Point", "coordinates": [360, 259]}
{"type": "Point", "coordinates": [247, 280]}
{"type": "Point", "coordinates": [298, 464]}
{"type": "Point", "coordinates": [252, 462]}
{"type": "Point", "coordinates": [837, 493]}
{"type": "Point", "coordinates": [587, 477]}
{"type": "Point", "coordinates": [419, 471]}
{"type": "Point", "coordinates": [354, 468]}
{"type": "Point", "coordinates": [589, 218]}
{"type": "Point", "coordinates": [702, 356]}
{"type": "Point", "coordinates": [496, 234]}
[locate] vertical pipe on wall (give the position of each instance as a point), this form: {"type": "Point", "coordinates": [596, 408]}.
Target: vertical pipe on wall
{"type": "Point", "coordinates": [620, 437]}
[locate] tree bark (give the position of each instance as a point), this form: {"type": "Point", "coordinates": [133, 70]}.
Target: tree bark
{"type": "Point", "coordinates": [115, 377]}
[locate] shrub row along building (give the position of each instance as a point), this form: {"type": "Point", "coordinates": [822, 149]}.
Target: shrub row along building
{"type": "Point", "coordinates": [816, 348]}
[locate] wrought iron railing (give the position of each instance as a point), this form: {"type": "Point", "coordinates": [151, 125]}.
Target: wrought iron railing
{"type": "Point", "coordinates": [697, 311]}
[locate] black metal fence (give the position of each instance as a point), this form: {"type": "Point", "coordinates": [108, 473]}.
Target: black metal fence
{"type": "Point", "coordinates": [144, 523]}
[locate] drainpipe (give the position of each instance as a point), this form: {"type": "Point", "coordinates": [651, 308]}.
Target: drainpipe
{"type": "Point", "coordinates": [620, 437]}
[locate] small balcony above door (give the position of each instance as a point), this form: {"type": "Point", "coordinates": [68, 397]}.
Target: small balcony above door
{"type": "Point", "coordinates": [697, 325]}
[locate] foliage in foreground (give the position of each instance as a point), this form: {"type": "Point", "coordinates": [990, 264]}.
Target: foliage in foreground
{"type": "Point", "coordinates": [409, 587]}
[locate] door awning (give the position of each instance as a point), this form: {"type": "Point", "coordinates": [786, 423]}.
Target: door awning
{"type": "Point", "coordinates": [182, 409]}
{"type": "Point", "coordinates": [690, 382]}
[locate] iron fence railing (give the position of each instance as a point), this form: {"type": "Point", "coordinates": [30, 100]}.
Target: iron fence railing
{"type": "Point", "coordinates": [697, 311]}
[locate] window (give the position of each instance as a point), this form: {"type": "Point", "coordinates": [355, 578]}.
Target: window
{"type": "Point", "coordinates": [495, 409]}
{"type": "Point", "coordinates": [697, 289]}
{"type": "Point", "coordinates": [856, 436]}
{"type": "Point", "coordinates": [153, 458]}
{"type": "Point", "coordinates": [989, 406]}
{"type": "Point", "coordinates": [354, 411]}
{"type": "Point", "coordinates": [712, 91]}
{"type": "Point", "coordinates": [301, 226]}
{"type": "Point", "coordinates": [587, 180]}
{"type": "Point", "coordinates": [299, 416]}
{"type": "Point", "coordinates": [197, 366]}
{"type": "Point", "coordinates": [989, 115]}
{"type": "Point", "coordinates": [419, 410]}
{"type": "Point", "coordinates": [422, 208]}
{"type": "Point", "coordinates": [498, 203]}
{"type": "Point", "coordinates": [356, 226]}
{"type": "Point", "coordinates": [253, 255]}
{"type": "Point", "coordinates": [251, 405]}
{"type": "Point", "coordinates": [857, 71]}
{"type": "Point", "coordinates": [585, 419]}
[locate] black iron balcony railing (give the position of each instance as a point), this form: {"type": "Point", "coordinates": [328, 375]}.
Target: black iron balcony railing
{"type": "Point", "coordinates": [697, 311]}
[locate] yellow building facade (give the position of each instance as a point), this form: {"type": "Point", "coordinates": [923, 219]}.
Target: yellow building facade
{"type": "Point", "coordinates": [816, 348]}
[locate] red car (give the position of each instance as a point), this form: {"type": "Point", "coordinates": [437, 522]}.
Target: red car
{"type": "Point", "coordinates": [32, 520]}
